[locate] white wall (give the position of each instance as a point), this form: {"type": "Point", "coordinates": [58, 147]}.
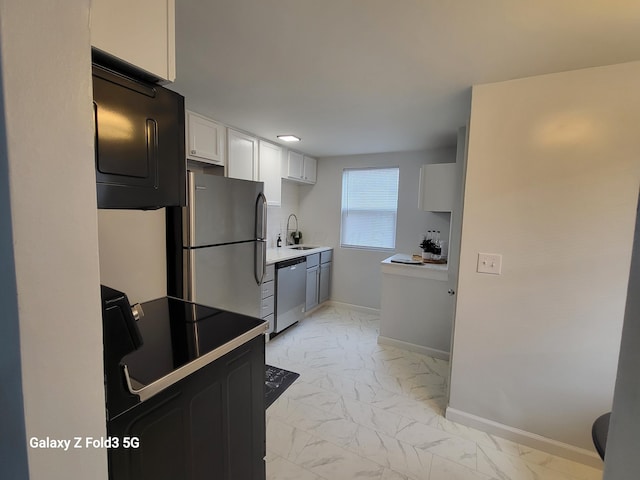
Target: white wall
{"type": "Point", "coordinates": [356, 277]}
{"type": "Point", "coordinates": [133, 255]}
{"type": "Point", "coordinates": [552, 181]}
{"type": "Point", "coordinates": [277, 216]}
{"type": "Point", "coordinates": [46, 69]}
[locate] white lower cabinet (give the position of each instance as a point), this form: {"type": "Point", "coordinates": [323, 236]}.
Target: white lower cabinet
{"type": "Point", "coordinates": [267, 307]}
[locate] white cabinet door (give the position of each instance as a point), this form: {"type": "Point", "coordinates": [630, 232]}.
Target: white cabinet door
{"type": "Point", "coordinates": [295, 166]}
{"type": "Point", "coordinates": [301, 168]}
{"type": "Point", "coordinates": [309, 170]}
{"type": "Point", "coordinates": [242, 157]}
{"type": "Point", "coordinates": [438, 187]}
{"type": "Point", "coordinates": [142, 33]}
{"type": "Point", "coordinates": [270, 161]}
{"type": "Point", "coordinates": [205, 139]}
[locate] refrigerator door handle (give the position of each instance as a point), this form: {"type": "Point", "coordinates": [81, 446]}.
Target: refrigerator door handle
{"type": "Point", "coordinates": [261, 217]}
{"type": "Point", "coordinates": [189, 274]}
{"type": "Point", "coordinates": [189, 212]}
{"type": "Point", "coordinates": [260, 261]}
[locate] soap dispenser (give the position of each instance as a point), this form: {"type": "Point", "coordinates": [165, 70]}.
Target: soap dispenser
{"type": "Point", "coordinates": [279, 241]}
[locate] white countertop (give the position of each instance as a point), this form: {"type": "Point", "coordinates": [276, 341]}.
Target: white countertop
{"type": "Point", "coordinates": [285, 253]}
{"type": "Point", "coordinates": [429, 271]}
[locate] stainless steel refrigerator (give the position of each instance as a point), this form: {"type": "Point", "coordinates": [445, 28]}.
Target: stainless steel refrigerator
{"type": "Point", "coordinates": [217, 244]}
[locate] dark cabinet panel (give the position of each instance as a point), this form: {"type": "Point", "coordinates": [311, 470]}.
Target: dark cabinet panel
{"type": "Point", "coordinates": [211, 425]}
{"type": "Point", "coordinates": [207, 431]}
{"type": "Point", "coordinates": [139, 143]}
{"type": "Point", "coordinates": [312, 288]}
{"type": "Point", "coordinates": [325, 282]}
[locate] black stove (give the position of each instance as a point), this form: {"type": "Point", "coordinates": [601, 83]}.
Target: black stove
{"type": "Point", "coordinates": [185, 390]}
{"type": "Point", "coordinates": [170, 341]}
{"type": "Point", "coordinates": [176, 332]}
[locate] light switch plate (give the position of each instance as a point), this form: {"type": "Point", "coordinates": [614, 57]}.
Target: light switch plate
{"type": "Point", "coordinates": [490, 263]}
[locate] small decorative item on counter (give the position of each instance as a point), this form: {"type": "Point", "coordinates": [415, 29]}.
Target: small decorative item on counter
{"type": "Point", "coordinates": [279, 241]}
{"type": "Point", "coordinates": [432, 247]}
{"type": "Point", "coordinates": [436, 253]}
{"type": "Point", "coordinates": [427, 246]}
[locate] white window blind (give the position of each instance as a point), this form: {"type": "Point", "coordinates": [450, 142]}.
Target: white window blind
{"type": "Point", "coordinates": [369, 208]}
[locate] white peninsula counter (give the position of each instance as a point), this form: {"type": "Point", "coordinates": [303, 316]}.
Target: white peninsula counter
{"type": "Point", "coordinates": [416, 310]}
{"type": "Point", "coordinates": [429, 271]}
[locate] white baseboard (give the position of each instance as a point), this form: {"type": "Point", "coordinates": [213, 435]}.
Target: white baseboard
{"type": "Point", "coordinates": [430, 352]}
{"type": "Point", "coordinates": [523, 437]}
{"type": "Point", "coordinates": [358, 308]}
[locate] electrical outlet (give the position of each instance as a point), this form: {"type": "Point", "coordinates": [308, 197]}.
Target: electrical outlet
{"type": "Point", "coordinates": [490, 263]}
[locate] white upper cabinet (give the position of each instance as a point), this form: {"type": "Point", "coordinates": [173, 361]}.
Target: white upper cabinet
{"type": "Point", "coordinates": [309, 169]}
{"type": "Point", "coordinates": [270, 161]}
{"type": "Point", "coordinates": [251, 159]}
{"type": "Point", "coordinates": [140, 32]}
{"type": "Point", "coordinates": [295, 165]}
{"type": "Point", "coordinates": [205, 139]}
{"type": "Point", "coordinates": [438, 187]}
{"type": "Point", "coordinates": [242, 155]}
{"type": "Point", "coordinates": [301, 168]}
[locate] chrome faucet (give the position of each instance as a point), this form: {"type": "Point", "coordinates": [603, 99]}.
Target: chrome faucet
{"type": "Point", "coordinates": [287, 240]}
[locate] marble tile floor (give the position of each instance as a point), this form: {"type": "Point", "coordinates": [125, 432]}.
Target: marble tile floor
{"type": "Point", "coordinates": [366, 411]}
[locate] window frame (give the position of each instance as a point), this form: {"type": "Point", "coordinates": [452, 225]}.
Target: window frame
{"type": "Point", "coordinates": [343, 244]}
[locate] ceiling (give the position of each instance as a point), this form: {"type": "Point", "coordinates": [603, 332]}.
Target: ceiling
{"type": "Point", "coordinates": [363, 76]}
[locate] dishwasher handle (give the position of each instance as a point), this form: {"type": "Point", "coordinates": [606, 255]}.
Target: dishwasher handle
{"type": "Point", "coordinates": [291, 263]}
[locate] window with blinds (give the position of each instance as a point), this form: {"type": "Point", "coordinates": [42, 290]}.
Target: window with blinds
{"type": "Point", "coordinates": [369, 208]}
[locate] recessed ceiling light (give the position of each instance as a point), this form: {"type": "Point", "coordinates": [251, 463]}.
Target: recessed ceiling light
{"type": "Point", "coordinates": [289, 138]}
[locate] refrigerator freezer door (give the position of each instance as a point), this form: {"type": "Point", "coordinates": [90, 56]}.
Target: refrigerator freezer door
{"type": "Point", "coordinates": [224, 277]}
{"type": "Point", "coordinates": [221, 210]}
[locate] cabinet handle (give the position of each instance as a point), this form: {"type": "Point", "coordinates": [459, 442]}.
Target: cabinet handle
{"type": "Point", "coordinates": [193, 152]}
{"type": "Point", "coordinates": [451, 291]}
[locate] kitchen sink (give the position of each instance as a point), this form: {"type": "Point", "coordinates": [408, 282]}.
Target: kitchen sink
{"type": "Point", "coordinates": [302, 247]}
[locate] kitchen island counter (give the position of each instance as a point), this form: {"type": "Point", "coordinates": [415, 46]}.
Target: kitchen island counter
{"type": "Point", "coordinates": [430, 271]}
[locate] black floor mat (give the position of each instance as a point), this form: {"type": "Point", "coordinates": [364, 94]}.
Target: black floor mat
{"type": "Point", "coordinates": [277, 380]}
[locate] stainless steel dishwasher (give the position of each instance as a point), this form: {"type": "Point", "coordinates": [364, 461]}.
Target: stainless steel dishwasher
{"type": "Point", "coordinates": [291, 277]}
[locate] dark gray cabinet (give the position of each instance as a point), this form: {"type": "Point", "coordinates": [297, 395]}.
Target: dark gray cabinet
{"type": "Point", "coordinates": [313, 277]}
{"type": "Point", "coordinates": [318, 278]}
{"type": "Point", "coordinates": [324, 286]}
{"type": "Point", "coordinates": [218, 414]}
